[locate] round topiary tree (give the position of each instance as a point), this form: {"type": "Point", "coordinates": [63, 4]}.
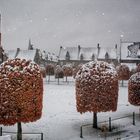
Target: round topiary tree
{"type": "Point", "coordinates": [123, 72]}
{"type": "Point", "coordinates": [134, 89]}
{"type": "Point", "coordinates": [96, 88]}
{"type": "Point", "coordinates": [59, 72]}
{"type": "Point", "coordinates": [21, 93]}
{"type": "Point", "coordinates": [68, 70]}
{"type": "Point", "coordinates": [49, 70]}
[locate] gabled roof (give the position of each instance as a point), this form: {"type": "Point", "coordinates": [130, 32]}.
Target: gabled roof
{"type": "Point", "coordinates": [88, 52]}
{"type": "Point", "coordinates": [73, 51]}
{"type": "Point", "coordinates": [11, 54]}
{"type": "Point", "coordinates": [27, 54]}
{"type": "Point", "coordinates": [112, 52]}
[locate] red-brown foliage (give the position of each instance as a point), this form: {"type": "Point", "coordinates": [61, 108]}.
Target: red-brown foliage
{"type": "Point", "coordinates": [68, 70]}
{"type": "Point", "coordinates": [123, 72]}
{"type": "Point", "coordinates": [134, 89]}
{"type": "Point", "coordinates": [21, 92]}
{"type": "Point", "coordinates": [96, 87]}
{"type": "Point", "coordinates": [50, 69]}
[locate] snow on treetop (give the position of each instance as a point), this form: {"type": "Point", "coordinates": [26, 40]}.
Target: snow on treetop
{"type": "Point", "coordinates": [58, 69]}
{"type": "Point", "coordinates": [97, 69]}
{"type": "Point", "coordinates": [135, 78]}
{"type": "Point", "coordinates": [122, 66]}
{"type": "Point", "coordinates": [19, 66]}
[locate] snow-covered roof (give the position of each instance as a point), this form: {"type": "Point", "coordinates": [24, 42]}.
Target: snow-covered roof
{"type": "Point", "coordinates": [26, 54]}
{"type": "Point", "coordinates": [112, 52]}
{"type": "Point", "coordinates": [73, 51]}
{"type": "Point", "coordinates": [88, 52]}
{"type": "Point", "coordinates": [11, 53]}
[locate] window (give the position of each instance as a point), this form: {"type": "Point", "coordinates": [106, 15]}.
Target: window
{"type": "Point", "coordinates": [93, 57]}
{"type": "Point", "coordinates": [67, 56]}
{"type": "Point", "coordinates": [81, 57]}
{"type": "Point", "coordinates": [106, 55]}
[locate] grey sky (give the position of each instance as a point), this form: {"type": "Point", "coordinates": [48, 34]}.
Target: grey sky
{"type": "Point", "coordinates": [51, 23]}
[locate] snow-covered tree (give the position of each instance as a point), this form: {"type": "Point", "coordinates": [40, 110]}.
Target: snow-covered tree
{"type": "Point", "coordinates": [134, 89]}
{"type": "Point", "coordinates": [21, 93]}
{"type": "Point", "coordinates": [43, 71]}
{"type": "Point", "coordinates": [96, 88]}
{"type": "Point", "coordinates": [123, 72]}
{"type": "Point", "coordinates": [68, 70]}
{"type": "Point", "coordinates": [59, 72]}
{"type": "Point", "coordinates": [50, 69]}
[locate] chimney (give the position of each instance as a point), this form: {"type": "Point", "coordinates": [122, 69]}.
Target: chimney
{"type": "Point", "coordinates": [18, 50]}
{"type": "Point", "coordinates": [30, 45]}
{"type": "Point", "coordinates": [98, 50]}
{"type": "Point", "coordinates": [79, 48]}
{"type": "Point", "coordinates": [60, 51]}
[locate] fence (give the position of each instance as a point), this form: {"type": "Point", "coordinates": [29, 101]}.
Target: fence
{"type": "Point", "coordinates": [59, 81]}
{"type": "Point", "coordinates": [110, 129]}
{"type": "Point", "coordinates": [6, 132]}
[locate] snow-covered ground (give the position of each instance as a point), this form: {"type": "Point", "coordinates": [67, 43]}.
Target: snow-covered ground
{"type": "Point", "coordinates": [61, 121]}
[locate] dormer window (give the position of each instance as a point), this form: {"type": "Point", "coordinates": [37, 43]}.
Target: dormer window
{"type": "Point", "coordinates": [67, 56]}
{"type": "Point", "coordinates": [81, 57]}
{"type": "Point", "coordinates": [93, 57]}
{"type": "Point", "coordinates": [106, 55]}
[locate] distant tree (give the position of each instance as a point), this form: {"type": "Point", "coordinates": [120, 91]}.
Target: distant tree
{"type": "Point", "coordinates": [21, 93]}
{"type": "Point", "coordinates": [123, 72]}
{"type": "Point", "coordinates": [59, 72]}
{"type": "Point", "coordinates": [43, 70]}
{"type": "Point", "coordinates": [134, 89]}
{"type": "Point", "coordinates": [50, 69]}
{"type": "Point", "coordinates": [68, 70]}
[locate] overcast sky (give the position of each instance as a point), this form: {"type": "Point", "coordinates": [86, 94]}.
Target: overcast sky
{"type": "Point", "coordinates": [52, 23]}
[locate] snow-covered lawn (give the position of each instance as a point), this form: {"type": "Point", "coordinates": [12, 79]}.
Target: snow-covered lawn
{"type": "Point", "coordinates": [61, 121]}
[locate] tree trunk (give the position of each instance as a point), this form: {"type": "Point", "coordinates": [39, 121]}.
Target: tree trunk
{"type": "Point", "coordinates": [122, 83]}
{"type": "Point", "coordinates": [19, 131]}
{"type": "Point", "coordinates": [95, 120]}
